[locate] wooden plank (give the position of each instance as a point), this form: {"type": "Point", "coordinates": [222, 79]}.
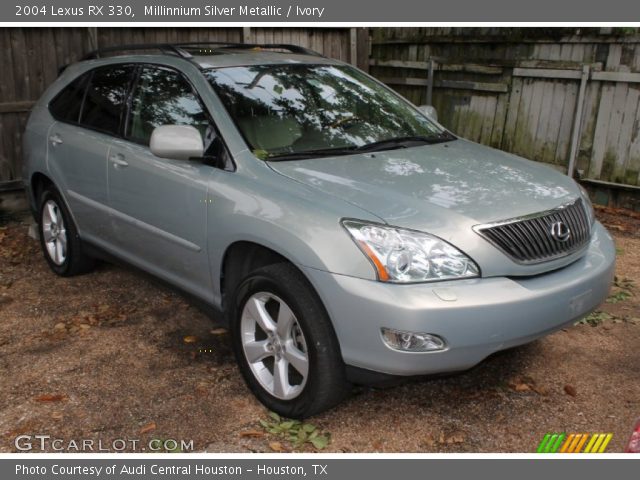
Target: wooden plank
{"type": "Point", "coordinates": [423, 65]}
{"type": "Point", "coordinates": [589, 120]}
{"type": "Point", "coordinates": [487, 119]}
{"type": "Point", "coordinates": [546, 73]}
{"type": "Point", "coordinates": [629, 113]}
{"type": "Point", "coordinates": [629, 77]}
{"type": "Point", "coordinates": [569, 96]}
{"type": "Point", "coordinates": [535, 107]}
{"type": "Point", "coordinates": [612, 157]}
{"type": "Point", "coordinates": [513, 106]}
{"type": "Point", "coordinates": [499, 119]}
{"type": "Point", "coordinates": [464, 85]}
{"type": "Point", "coordinates": [455, 84]}
{"type": "Point", "coordinates": [15, 107]}
{"type": "Point", "coordinates": [364, 48]}
{"type": "Point", "coordinates": [600, 134]}
{"type": "Point", "coordinates": [11, 186]}
{"type": "Point", "coordinates": [548, 120]}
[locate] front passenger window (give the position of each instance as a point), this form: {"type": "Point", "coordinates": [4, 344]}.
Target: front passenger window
{"type": "Point", "coordinates": [163, 97]}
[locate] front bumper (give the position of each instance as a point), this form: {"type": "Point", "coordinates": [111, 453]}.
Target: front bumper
{"type": "Point", "coordinates": [476, 317]}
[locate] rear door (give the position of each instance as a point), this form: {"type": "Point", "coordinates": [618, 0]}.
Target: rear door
{"type": "Point", "coordinates": [159, 205]}
{"type": "Point", "coordinates": [89, 113]}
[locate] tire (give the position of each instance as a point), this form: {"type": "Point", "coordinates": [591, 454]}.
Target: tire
{"type": "Point", "coordinates": [303, 328]}
{"type": "Point", "coordinates": [59, 239]}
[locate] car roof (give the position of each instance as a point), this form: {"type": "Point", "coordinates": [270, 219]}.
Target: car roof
{"type": "Point", "coordinates": [208, 55]}
{"type": "Point", "coordinates": [237, 58]}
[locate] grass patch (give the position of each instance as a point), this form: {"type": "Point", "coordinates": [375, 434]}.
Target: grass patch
{"type": "Point", "coordinates": [594, 319]}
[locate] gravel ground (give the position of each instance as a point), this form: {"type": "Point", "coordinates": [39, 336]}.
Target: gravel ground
{"type": "Point", "coordinates": [114, 355]}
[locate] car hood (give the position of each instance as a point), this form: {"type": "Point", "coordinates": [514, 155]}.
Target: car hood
{"type": "Point", "coordinates": [428, 187]}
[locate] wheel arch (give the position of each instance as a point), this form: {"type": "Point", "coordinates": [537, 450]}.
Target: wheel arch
{"type": "Point", "coordinates": [241, 258]}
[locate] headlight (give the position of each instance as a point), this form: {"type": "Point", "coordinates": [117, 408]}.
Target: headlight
{"type": "Point", "coordinates": [405, 256]}
{"type": "Point", "coordinates": [587, 205]}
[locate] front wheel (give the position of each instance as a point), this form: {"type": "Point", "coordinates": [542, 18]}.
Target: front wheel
{"type": "Point", "coordinates": [285, 344]}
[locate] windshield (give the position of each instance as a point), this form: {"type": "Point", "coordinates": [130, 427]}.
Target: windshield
{"type": "Point", "coordinates": [288, 109]}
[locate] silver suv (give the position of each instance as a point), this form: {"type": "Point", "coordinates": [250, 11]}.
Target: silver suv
{"type": "Point", "coordinates": [343, 234]}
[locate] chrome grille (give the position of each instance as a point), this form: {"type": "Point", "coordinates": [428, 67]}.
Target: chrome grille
{"type": "Point", "coordinates": [530, 239]}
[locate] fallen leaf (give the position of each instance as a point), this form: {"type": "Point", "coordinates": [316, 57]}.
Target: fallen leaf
{"type": "Point", "coordinates": [218, 331]}
{"type": "Point", "coordinates": [149, 427]}
{"type": "Point", "coordinates": [429, 441]}
{"type": "Point", "coordinates": [202, 388]}
{"type": "Point", "coordinates": [457, 437]}
{"type": "Point", "coordinates": [57, 415]}
{"type": "Point", "coordinates": [252, 434]}
{"type": "Point", "coordinates": [4, 299]}
{"type": "Point", "coordinates": [59, 326]}
{"type": "Point", "coordinates": [570, 390]}
{"type": "Point", "coordinates": [58, 397]}
{"type": "Point", "coordinates": [190, 339]}
{"type": "Point", "coordinates": [540, 390]}
{"type": "Point", "coordinates": [276, 447]}
{"type": "Point", "coordinates": [521, 387]}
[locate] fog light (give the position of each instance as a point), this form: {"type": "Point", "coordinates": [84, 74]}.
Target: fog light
{"type": "Point", "coordinates": [412, 341]}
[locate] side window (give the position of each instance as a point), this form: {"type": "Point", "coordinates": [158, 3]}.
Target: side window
{"type": "Point", "coordinates": [67, 104]}
{"type": "Point", "coordinates": [106, 98]}
{"type": "Point", "coordinates": [163, 97]}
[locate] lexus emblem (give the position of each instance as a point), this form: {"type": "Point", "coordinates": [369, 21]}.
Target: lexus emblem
{"type": "Point", "coordinates": [560, 232]}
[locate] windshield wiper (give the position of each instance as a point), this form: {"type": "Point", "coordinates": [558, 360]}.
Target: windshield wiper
{"type": "Point", "coordinates": [389, 144]}
{"type": "Point", "coordinates": [405, 142]}
{"type": "Point", "coordinates": [320, 152]}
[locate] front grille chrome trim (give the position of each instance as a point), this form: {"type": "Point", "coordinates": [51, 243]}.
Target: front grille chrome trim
{"type": "Point", "coordinates": [527, 239]}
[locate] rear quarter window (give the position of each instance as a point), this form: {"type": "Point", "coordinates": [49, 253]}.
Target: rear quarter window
{"type": "Point", "coordinates": [106, 98]}
{"type": "Point", "coordinates": [67, 104]}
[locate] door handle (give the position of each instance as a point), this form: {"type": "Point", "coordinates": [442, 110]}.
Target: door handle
{"type": "Point", "coordinates": [55, 139]}
{"type": "Point", "coordinates": [118, 160]}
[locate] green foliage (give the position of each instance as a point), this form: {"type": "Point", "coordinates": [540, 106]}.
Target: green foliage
{"type": "Point", "coordinates": [619, 296]}
{"type": "Point", "coordinates": [261, 154]}
{"type": "Point", "coordinates": [623, 290]}
{"type": "Point", "coordinates": [296, 432]}
{"type": "Point", "coordinates": [594, 319]}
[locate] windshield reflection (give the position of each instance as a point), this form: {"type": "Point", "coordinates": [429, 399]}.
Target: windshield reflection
{"type": "Point", "coordinates": [299, 108]}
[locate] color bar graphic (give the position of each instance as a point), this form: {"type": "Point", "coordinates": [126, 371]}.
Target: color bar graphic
{"type": "Point", "coordinates": [574, 442]}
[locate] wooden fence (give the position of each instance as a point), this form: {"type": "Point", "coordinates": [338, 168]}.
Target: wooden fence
{"type": "Point", "coordinates": [551, 95]}
{"type": "Point", "coordinates": [514, 89]}
{"type": "Point", "coordinates": [31, 58]}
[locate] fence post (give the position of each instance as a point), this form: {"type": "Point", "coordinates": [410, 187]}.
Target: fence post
{"type": "Point", "coordinates": [577, 121]}
{"type": "Point", "coordinates": [93, 38]}
{"type": "Point", "coordinates": [430, 82]}
{"type": "Point", "coordinates": [246, 34]}
{"type": "Point", "coordinates": [363, 47]}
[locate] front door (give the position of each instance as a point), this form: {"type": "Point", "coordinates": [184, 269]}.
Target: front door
{"type": "Point", "coordinates": [159, 205]}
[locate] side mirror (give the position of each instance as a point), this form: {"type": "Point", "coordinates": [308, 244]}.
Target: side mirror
{"type": "Point", "coordinates": [429, 111]}
{"type": "Point", "coordinates": [179, 142]}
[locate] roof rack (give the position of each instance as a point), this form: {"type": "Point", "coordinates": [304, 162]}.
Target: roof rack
{"type": "Point", "coordinates": [182, 49]}
{"type": "Point", "coordinates": [163, 47]}
{"type": "Point", "coordinates": [248, 46]}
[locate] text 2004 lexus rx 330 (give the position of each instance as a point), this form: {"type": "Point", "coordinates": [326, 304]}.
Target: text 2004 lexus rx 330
{"type": "Point", "coordinates": [344, 235]}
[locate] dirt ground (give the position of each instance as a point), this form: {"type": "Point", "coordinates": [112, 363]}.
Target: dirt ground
{"type": "Point", "coordinates": [113, 355]}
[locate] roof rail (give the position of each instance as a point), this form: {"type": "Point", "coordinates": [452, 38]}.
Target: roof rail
{"type": "Point", "coordinates": [249, 46]}
{"type": "Point", "coordinates": [182, 49]}
{"type": "Point", "coordinates": [163, 47]}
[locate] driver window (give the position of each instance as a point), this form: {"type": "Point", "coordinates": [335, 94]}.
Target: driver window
{"type": "Point", "coordinates": [163, 97]}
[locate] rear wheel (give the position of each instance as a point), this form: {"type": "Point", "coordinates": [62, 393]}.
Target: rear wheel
{"type": "Point", "coordinates": [59, 238]}
{"type": "Point", "coordinates": [285, 344]}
